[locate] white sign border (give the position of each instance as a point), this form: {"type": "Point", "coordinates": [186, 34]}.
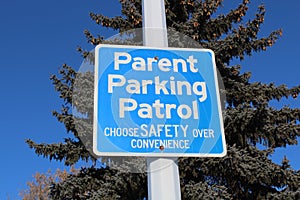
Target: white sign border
{"type": "Point", "coordinates": [126, 154]}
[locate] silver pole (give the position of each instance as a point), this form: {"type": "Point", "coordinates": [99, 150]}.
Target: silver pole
{"type": "Point", "coordinates": [163, 174]}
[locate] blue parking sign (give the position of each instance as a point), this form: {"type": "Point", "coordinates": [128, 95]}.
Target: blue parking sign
{"type": "Point", "coordinates": [156, 102]}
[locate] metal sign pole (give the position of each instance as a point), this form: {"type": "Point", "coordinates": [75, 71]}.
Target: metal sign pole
{"type": "Point", "coordinates": [163, 174]}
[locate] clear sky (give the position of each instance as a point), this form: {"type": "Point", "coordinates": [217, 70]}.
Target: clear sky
{"type": "Point", "coordinates": [37, 37]}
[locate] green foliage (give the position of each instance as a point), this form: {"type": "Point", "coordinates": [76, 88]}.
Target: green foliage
{"type": "Point", "coordinates": [246, 172]}
{"type": "Point", "coordinates": [103, 183]}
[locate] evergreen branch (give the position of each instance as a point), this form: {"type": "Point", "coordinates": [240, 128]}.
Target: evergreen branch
{"type": "Point", "coordinates": [103, 183]}
{"type": "Point", "coordinates": [213, 29]}
{"type": "Point", "coordinates": [202, 190]}
{"type": "Point", "coordinates": [208, 8]}
{"type": "Point", "coordinates": [273, 128]}
{"type": "Point", "coordinates": [67, 119]}
{"type": "Point", "coordinates": [239, 44]}
{"type": "Point", "coordinates": [132, 10]}
{"type": "Point", "coordinates": [64, 84]}
{"type": "Point", "coordinates": [243, 40]}
{"type": "Point", "coordinates": [84, 53]}
{"type": "Point", "coordinates": [71, 151]}
{"type": "Point", "coordinates": [246, 172]}
{"type": "Point", "coordinates": [256, 93]}
{"type": "Point", "coordinates": [184, 14]}
{"type": "Point", "coordinates": [92, 40]}
{"type": "Point", "coordinates": [282, 128]}
{"type": "Point", "coordinates": [116, 23]}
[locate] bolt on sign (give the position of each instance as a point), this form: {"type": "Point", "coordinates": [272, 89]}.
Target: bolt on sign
{"type": "Point", "coordinates": [156, 102]}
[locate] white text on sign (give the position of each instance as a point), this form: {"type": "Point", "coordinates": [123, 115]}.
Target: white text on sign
{"type": "Point", "coordinates": [160, 87]}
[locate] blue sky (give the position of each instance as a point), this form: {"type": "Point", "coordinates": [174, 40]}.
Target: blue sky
{"type": "Point", "coordinates": [37, 37]}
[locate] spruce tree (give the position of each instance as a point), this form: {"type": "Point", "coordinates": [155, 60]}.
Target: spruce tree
{"type": "Point", "coordinates": [247, 172]}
